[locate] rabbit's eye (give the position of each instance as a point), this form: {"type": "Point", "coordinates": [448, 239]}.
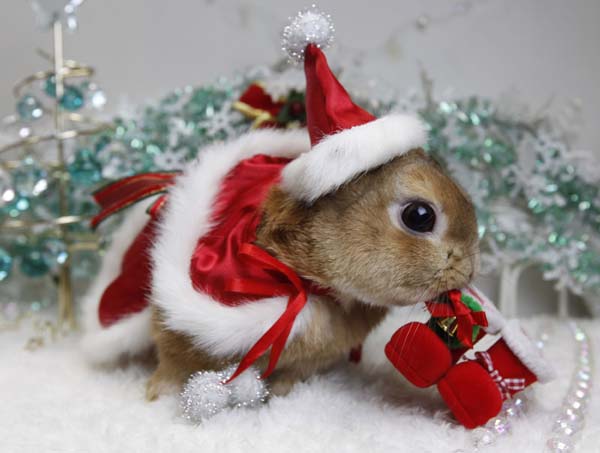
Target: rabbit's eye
{"type": "Point", "coordinates": [418, 216]}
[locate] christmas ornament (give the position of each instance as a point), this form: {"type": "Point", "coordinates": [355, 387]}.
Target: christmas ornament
{"type": "Point", "coordinates": [33, 263]}
{"type": "Point", "coordinates": [474, 390]}
{"type": "Point", "coordinates": [44, 195]}
{"type": "Point", "coordinates": [85, 168]}
{"type": "Point", "coordinates": [72, 99]}
{"type": "Point", "coordinates": [29, 108]}
{"type": "Point", "coordinates": [29, 178]}
{"type": "Point", "coordinates": [95, 96]}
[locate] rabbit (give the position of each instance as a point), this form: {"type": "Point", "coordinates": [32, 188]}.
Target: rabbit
{"type": "Point", "coordinates": [359, 220]}
{"type": "Point", "coordinates": [358, 242]}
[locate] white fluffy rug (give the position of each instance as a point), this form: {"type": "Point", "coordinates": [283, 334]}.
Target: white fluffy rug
{"type": "Point", "coordinates": [53, 402]}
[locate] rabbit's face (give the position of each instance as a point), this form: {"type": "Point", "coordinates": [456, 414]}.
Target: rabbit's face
{"type": "Point", "coordinates": [397, 235]}
{"type": "Point", "coordinates": [410, 234]}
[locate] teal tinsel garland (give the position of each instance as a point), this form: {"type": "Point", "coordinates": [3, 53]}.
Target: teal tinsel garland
{"type": "Point", "coordinates": [533, 204]}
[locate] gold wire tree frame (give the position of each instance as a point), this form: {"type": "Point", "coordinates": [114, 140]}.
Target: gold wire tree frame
{"type": "Point", "coordinates": [62, 69]}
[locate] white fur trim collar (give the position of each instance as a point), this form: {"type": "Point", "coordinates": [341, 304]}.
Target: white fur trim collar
{"type": "Point", "coordinates": [213, 326]}
{"type": "Point", "coordinates": [131, 335]}
{"type": "Point", "coordinates": [341, 157]}
{"type": "Point", "coordinates": [217, 328]}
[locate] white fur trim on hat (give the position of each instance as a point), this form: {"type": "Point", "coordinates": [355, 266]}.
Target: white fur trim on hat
{"type": "Point", "coordinates": [340, 157]}
{"type": "Point", "coordinates": [522, 346]}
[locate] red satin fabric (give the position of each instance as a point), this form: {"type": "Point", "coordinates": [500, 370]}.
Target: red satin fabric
{"type": "Point", "coordinates": [127, 191]}
{"type": "Point", "coordinates": [216, 264]}
{"type": "Point", "coordinates": [256, 97]}
{"type": "Point", "coordinates": [130, 291]}
{"type": "Point", "coordinates": [329, 108]}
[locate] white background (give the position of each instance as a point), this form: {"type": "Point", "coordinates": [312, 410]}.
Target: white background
{"type": "Point", "coordinates": [539, 51]}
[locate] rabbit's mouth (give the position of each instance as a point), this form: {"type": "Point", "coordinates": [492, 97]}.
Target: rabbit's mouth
{"type": "Point", "coordinates": [443, 281]}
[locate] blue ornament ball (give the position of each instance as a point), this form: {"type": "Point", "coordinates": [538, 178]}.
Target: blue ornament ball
{"type": "Point", "coordinates": [29, 108]}
{"type": "Point", "coordinates": [30, 179]}
{"type": "Point", "coordinates": [50, 86]}
{"type": "Point", "coordinates": [6, 262]}
{"type": "Point", "coordinates": [34, 263]}
{"type": "Point", "coordinates": [85, 168]}
{"type": "Point", "coordinates": [72, 100]}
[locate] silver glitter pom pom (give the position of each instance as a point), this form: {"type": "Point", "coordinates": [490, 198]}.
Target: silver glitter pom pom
{"type": "Point", "coordinates": [205, 395]}
{"type": "Point", "coordinates": [309, 26]}
{"type": "Point", "coordinates": [248, 389]}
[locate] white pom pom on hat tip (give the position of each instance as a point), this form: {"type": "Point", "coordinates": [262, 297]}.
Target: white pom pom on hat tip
{"type": "Point", "coordinates": [309, 26]}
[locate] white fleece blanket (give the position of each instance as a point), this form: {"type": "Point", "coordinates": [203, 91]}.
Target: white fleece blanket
{"type": "Point", "coordinates": [52, 401]}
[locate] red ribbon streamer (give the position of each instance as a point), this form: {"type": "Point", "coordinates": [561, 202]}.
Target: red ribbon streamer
{"type": "Point", "coordinates": [465, 317]}
{"type": "Point", "coordinates": [277, 335]}
{"type": "Point", "coordinates": [119, 195]}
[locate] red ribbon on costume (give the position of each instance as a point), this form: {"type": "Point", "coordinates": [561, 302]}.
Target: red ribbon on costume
{"type": "Point", "coordinates": [507, 386]}
{"type": "Point", "coordinates": [466, 318]}
{"type": "Point", "coordinates": [277, 335]}
{"type": "Point", "coordinates": [117, 196]}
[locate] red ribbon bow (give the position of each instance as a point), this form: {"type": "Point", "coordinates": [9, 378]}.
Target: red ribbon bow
{"type": "Point", "coordinates": [118, 195]}
{"type": "Point", "coordinates": [277, 335]}
{"type": "Point", "coordinates": [466, 318]}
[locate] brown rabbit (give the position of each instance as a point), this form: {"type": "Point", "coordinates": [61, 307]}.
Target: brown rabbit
{"type": "Point", "coordinates": [356, 243]}
{"type": "Point", "coordinates": [365, 218]}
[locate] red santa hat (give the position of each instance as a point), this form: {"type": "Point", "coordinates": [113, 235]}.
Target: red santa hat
{"type": "Point", "coordinates": [346, 139]}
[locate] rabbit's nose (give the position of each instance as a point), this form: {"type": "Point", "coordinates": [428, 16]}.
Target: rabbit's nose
{"type": "Point", "coordinates": [453, 252]}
